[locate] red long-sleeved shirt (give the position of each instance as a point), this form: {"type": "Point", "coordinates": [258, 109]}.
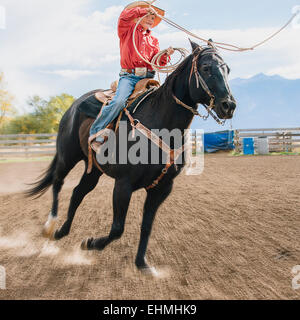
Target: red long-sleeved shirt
{"type": "Point", "coordinates": [146, 44]}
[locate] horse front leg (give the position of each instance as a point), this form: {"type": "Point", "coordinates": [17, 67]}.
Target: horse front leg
{"type": "Point", "coordinates": [155, 198]}
{"type": "Point", "coordinates": [121, 198]}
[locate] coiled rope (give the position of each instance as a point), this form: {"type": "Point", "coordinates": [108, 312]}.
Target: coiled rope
{"type": "Point", "coordinates": [155, 62]}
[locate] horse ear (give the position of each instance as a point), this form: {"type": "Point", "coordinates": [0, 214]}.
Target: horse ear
{"type": "Point", "coordinates": [193, 44]}
{"type": "Point", "coordinates": [210, 42]}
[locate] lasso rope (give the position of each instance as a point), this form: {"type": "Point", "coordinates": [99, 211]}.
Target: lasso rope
{"type": "Point", "coordinates": [221, 45]}
{"type": "Point", "coordinates": [226, 46]}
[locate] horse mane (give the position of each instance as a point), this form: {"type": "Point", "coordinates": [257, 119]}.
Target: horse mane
{"type": "Point", "coordinates": [166, 90]}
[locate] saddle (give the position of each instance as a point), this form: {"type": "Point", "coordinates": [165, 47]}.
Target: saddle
{"type": "Point", "coordinates": [142, 86]}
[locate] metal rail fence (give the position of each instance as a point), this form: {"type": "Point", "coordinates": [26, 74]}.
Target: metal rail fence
{"type": "Point", "coordinates": [279, 139]}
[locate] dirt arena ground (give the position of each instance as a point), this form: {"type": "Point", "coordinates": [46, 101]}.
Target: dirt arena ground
{"type": "Point", "coordinates": [231, 233]}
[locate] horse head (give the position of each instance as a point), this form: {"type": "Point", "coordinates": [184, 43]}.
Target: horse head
{"type": "Point", "coordinates": [209, 81]}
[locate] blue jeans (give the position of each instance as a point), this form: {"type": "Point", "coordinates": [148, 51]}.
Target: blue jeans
{"type": "Point", "coordinates": [111, 111]}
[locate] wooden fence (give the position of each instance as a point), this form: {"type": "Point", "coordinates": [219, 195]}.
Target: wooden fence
{"type": "Point", "coordinates": [279, 139]}
{"type": "Point", "coordinates": [27, 144]}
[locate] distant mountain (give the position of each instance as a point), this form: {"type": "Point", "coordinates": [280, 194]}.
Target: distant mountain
{"type": "Point", "coordinates": [262, 102]}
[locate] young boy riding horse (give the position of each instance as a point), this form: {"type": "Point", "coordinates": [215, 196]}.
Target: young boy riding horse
{"type": "Point", "coordinates": [133, 68]}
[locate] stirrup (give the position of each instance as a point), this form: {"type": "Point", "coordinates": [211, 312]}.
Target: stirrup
{"type": "Point", "coordinates": [96, 146]}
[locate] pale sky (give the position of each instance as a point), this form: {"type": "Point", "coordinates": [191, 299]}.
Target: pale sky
{"type": "Point", "coordinates": [52, 46]}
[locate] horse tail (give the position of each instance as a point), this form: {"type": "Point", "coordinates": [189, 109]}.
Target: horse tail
{"type": "Point", "coordinates": [46, 180]}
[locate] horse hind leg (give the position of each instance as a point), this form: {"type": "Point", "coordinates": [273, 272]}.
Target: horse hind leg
{"type": "Point", "coordinates": [87, 183]}
{"type": "Point", "coordinates": [60, 173]}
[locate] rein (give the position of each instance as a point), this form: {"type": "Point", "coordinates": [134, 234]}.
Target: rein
{"type": "Point", "coordinates": [172, 154]}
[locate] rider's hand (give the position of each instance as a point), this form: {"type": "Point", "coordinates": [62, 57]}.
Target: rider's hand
{"type": "Point", "coordinates": [152, 11]}
{"type": "Point", "coordinates": [170, 51]}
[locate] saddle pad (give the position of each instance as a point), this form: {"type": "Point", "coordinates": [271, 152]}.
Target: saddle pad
{"type": "Point", "coordinates": [91, 106]}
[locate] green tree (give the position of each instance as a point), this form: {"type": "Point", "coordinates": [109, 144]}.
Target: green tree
{"type": "Point", "coordinates": [44, 117]}
{"type": "Point", "coordinates": [55, 109]}
{"type": "Point", "coordinates": [6, 99]}
{"type": "Point", "coordinates": [26, 124]}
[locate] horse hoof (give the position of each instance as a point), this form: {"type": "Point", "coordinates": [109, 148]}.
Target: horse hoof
{"type": "Point", "coordinates": [56, 235]}
{"type": "Point", "coordinates": [149, 271]}
{"type": "Point", "coordinates": [46, 234]}
{"type": "Point", "coordinates": [86, 244]}
{"type": "Point", "coordinates": [48, 230]}
{"type": "Point", "coordinates": [153, 272]}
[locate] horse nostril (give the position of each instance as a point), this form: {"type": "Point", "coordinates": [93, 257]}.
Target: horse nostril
{"type": "Point", "coordinates": [233, 106]}
{"type": "Point", "coordinates": [228, 107]}
{"type": "Point", "coordinates": [225, 106]}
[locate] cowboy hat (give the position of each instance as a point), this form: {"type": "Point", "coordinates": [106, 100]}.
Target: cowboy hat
{"type": "Point", "coordinates": [145, 4]}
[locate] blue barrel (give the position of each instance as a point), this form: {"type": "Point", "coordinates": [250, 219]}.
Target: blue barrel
{"type": "Point", "coordinates": [248, 146]}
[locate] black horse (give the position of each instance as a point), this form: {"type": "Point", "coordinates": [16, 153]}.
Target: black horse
{"type": "Point", "coordinates": [158, 111]}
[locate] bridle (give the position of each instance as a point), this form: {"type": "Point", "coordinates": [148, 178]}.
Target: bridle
{"type": "Point", "coordinates": [200, 81]}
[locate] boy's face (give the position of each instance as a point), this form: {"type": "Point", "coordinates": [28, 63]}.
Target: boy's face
{"type": "Point", "coordinates": [148, 22]}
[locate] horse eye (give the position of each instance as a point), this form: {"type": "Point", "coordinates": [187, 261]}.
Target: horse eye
{"type": "Point", "coordinates": [206, 69]}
